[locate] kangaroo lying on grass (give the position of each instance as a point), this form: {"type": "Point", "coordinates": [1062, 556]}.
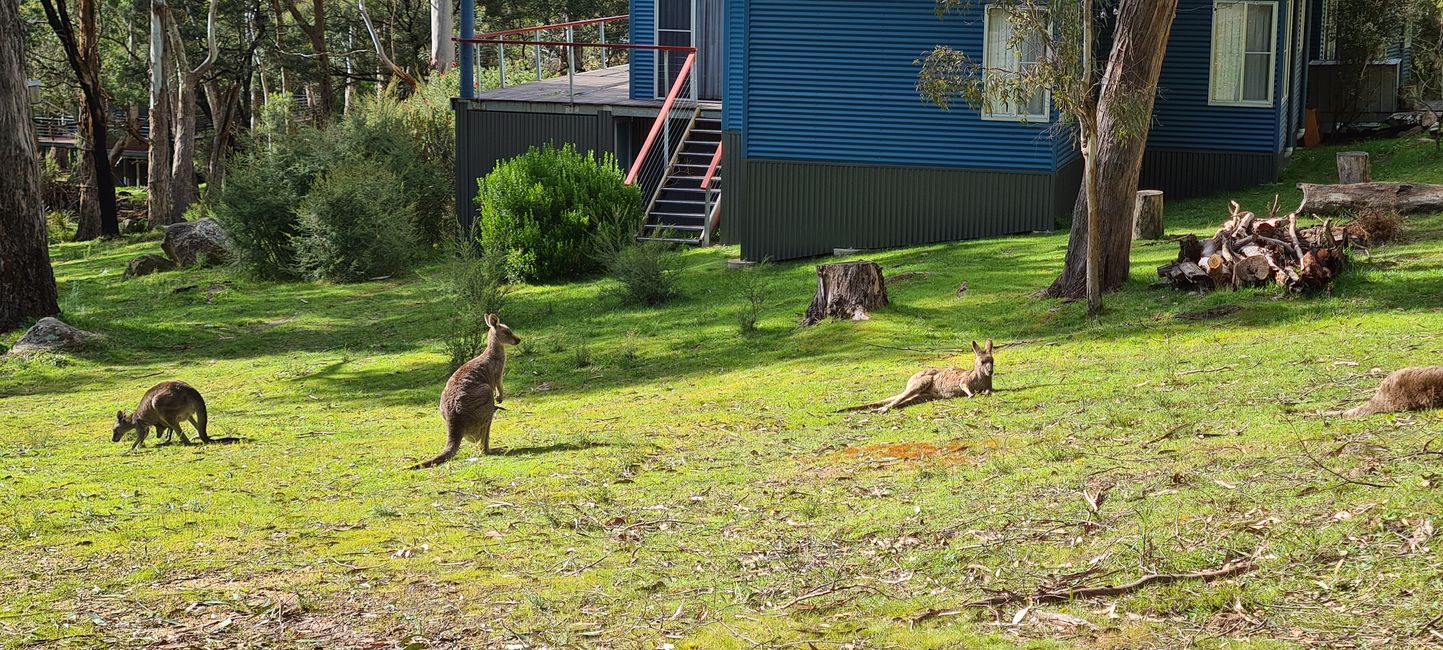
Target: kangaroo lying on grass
{"type": "Point", "coordinates": [945, 383]}
{"type": "Point", "coordinates": [473, 393]}
{"type": "Point", "coordinates": [1409, 389]}
{"type": "Point", "coordinates": [164, 407]}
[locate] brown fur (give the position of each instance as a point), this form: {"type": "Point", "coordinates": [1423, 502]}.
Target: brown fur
{"type": "Point", "coordinates": [944, 383]}
{"type": "Point", "coordinates": [165, 406]}
{"type": "Point", "coordinates": [1409, 389]}
{"type": "Point", "coordinates": [473, 393]}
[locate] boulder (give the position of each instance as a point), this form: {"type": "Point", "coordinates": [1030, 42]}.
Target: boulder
{"type": "Point", "coordinates": [50, 334]}
{"type": "Point", "coordinates": [147, 264]}
{"type": "Point", "coordinates": [190, 242]}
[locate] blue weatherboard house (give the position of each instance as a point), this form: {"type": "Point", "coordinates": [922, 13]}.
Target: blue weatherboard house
{"type": "Point", "coordinates": [793, 127]}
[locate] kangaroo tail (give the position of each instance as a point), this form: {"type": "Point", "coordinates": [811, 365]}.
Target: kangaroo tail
{"type": "Point", "coordinates": [1362, 411]}
{"type": "Point", "coordinates": [200, 418]}
{"type": "Point", "coordinates": [453, 444]}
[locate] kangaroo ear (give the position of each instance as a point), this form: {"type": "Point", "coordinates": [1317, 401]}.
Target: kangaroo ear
{"type": "Point", "coordinates": [492, 320]}
{"type": "Point", "coordinates": [976, 348]}
{"type": "Point", "coordinates": [120, 416]}
{"type": "Point", "coordinates": [989, 346]}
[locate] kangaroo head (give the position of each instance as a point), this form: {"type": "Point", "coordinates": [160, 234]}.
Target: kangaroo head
{"type": "Point", "coordinates": [123, 425]}
{"type": "Point", "coordinates": [501, 331]}
{"type": "Point", "coordinates": [984, 358]}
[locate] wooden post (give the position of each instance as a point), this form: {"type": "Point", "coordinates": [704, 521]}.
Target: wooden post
{"type": "Point", "coordinates": [1147, 215]}
{"type": "Point", "coordinates": [1353, 167]}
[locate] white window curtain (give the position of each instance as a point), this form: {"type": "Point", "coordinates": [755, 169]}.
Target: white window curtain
{"type": "Point", "coordinates": [1000, 57]}
{"type": "Point", "coordinates": [1244, 53]}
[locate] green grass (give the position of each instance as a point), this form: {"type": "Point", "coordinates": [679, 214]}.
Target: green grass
{"type": "Point", "coordinates": [668, 480]}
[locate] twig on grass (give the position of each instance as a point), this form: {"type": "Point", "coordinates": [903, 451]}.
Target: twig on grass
{"type": "Point", "coordinates": [826, 591]}
{"type": "Point", "coordinates": [1064, 595]}
{"type": "Point", "coordinates": [1344, 479]}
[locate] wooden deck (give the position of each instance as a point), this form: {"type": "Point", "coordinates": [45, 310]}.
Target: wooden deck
{"type": "Point", "coordinates": [594, 90]}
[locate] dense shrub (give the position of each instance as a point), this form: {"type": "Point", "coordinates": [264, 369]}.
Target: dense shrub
{"type": "Point", "coordinates": [545, 207]}
{"type": "Point", "coordinates": [354, 224]}
{"type": "Point", "coordinates": [647, 272]}
{"type": "Point", "coordinates": [410, 141]}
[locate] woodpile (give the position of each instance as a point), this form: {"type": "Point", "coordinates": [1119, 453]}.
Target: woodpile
{"type": "Point", "coordinates": [1250, 251]}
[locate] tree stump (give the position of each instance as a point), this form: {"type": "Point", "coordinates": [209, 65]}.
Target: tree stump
{"type": "Point", "coordinates": [1354, 167]}
{"type": "Point", "coordinates": [1147, 215]}
{"type": "Point", "coordinates": [847, 290]}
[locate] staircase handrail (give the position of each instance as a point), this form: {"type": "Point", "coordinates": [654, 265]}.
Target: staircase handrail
{"type": "Point", "coordinates": [661, 117]}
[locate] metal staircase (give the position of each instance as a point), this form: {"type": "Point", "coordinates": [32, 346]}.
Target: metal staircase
{"type": "Point", "coordinates": [687, 203]}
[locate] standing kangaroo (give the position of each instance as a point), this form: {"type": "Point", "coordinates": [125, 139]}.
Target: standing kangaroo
{"type": "Point", "coordinates": [945, 383]}
{"type": "Point", "coordinates": [473, 393]}
{"type": "Point", "coordinates": [1409, 389]}
{"type": "Point", "coordinates": [164, 407]}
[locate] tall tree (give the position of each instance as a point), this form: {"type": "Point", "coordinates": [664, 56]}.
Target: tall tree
{"type": "Point", "coordinates": [187, 81]}
{"type": "Point", "coordinates": [1054, 43]}
{"type": "Point", "coordinates": [443, 51]}
{"type": "Point", "coordinates": [82, 53]}
{"type": "Point", "coordinates": [159, 192]}
{"type": "Point", "coordinates": [316, 31]}
{"type": "Point", "coordinates": [27, 283]}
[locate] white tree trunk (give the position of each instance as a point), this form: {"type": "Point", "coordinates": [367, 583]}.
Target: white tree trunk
{"type": "Point", "coordinates": [443, 50]}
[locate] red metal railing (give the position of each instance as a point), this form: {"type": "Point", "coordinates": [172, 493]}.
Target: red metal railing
{"type": "Point", "coordinates": [506, 38]}
{"type": "Point", "coordinates": [661, 128]}
{"type": "Point", "coordinates": [711, 169]}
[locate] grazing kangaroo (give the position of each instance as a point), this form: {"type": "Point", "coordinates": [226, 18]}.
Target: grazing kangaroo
{"type": "Point", "coordinates": [1409, 389]}
{"type": "Point", "coordinates": [945, 383]}
{"type": "Point", "coordinates": [473, 393]}
{"type": "Point", "coordinates": [164, 407]}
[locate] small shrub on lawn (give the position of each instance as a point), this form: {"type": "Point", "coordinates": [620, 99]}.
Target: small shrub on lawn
{"type": "Point", "coordinates": [751, 287]}
{"type": "Point", "coordinates": [545, 207]}
{"type": "Point", "coordinates": [647, 272]}
{"type": "Point", "coordinates": [354, 224]}
{"type": "Point", "coordinates": [478, 287]}
{"type": "Point", "coordinates": [257, 207]}
{"type": "Point", "coordinates": [581, 355]}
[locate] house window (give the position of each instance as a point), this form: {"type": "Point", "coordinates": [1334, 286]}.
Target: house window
{"type": "Point", "coordinates": [1002, 56]}
{"type": "Point", "coordinates": [1244, 53]}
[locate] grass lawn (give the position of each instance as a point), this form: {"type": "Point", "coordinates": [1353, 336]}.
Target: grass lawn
{"type": "Point", "coordinates": [670, 482]}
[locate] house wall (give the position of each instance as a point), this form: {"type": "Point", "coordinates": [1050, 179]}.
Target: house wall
{"type": "Point", "coordinates": [1197, 148]}
{"type": "Point", "coordinates": [835, 80]}
{"type": "Point", "coordinates": [643, 62]}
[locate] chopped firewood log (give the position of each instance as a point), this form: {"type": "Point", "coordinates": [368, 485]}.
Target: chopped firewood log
{"type": "Point", "coordinates": [1252, 271]}
{"type": "Point", "coordinates": [1402, 198]}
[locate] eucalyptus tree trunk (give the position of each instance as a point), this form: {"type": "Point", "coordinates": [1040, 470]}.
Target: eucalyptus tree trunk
{"type": "Point", "coordinates": [443, 52]}
{"type": "Point", "coordinates": [82, 52]}
{"type": "Point", "coordinates": [184, 188]}
{"type": "Point", "coordinates": [224, 109]}
{"type": "Point", "coordinates": [158, 186]}
{"type": "Point", "coordinates": [316, 32]}
{"type": "Point", "coordinates": [27, 283]}
{"type": "Point", "coordinates": [1129, 87]}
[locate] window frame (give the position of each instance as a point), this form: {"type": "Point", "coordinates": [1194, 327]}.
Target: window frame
{"type": "Point", "coordinates": [1272, 100]}
{"type": "Point", "coordinates": [986, 112]}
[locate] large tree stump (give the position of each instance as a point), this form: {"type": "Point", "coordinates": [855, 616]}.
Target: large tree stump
{"type": "Point", "coordinates": [1403, 198]}
{"type": "Point", "coordinates": [1353, 167]}
{"type": "Point", "coordinates": [847, 290]}
{"type": "Point", "coordinates": [1147, 215]}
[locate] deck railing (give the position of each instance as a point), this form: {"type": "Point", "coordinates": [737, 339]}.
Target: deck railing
{"type": "Point", "coordinates": [712, 195]}
{"type": "Point", "coordinates": [668, 132]}
{"type": "Point", "coordinates": [541, 38]}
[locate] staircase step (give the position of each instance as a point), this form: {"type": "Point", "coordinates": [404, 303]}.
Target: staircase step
{"type": "Point", "coordinates": [661, 226]}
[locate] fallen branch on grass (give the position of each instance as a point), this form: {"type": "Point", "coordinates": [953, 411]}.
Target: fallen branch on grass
{"type": "Point", "coordinates": [1043, 595]}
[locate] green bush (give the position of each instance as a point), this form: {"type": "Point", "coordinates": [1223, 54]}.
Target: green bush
{"type": "Point", "coordinates": [478, 287]}
{"type": "Point", "coordinates": [545, 207]}
{"type": "Point", "coordinates": [647, 272]}
{"type": "Point", "coordinates": [257, 207]}
{"type": "Point", "coordinates": [354, 224]}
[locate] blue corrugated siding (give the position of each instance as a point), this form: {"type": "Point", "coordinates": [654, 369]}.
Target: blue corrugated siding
{"type": "Point", "coordinates": [836, 81]}
{"type": "Point", "coordinates": [736, 55]}
{"type": "Point", "coordinates": [1183, 120]}
{"type": "Point", "coordinates": [643, 62]}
